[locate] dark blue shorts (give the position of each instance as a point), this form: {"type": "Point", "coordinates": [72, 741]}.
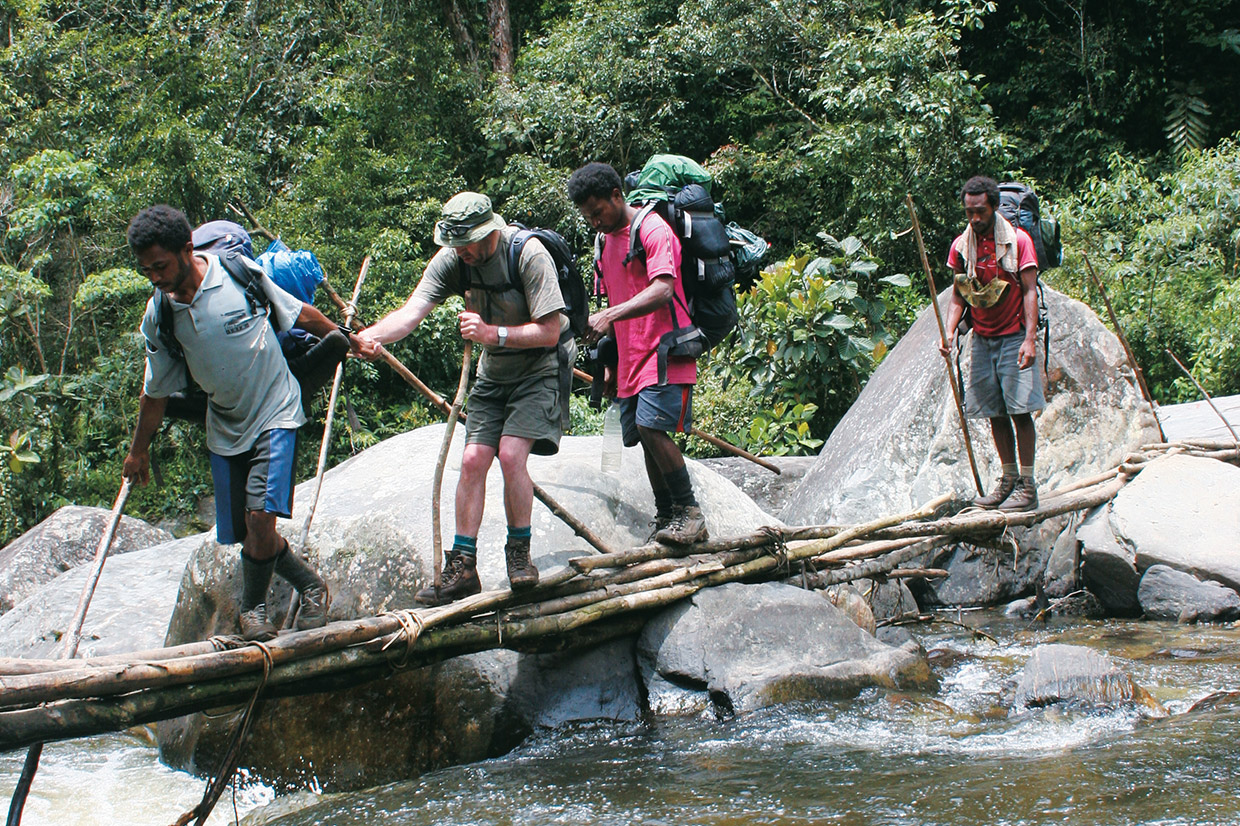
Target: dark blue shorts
{"type": "Point", "coordinates": [668, 408]}
{"type": "Point", "coordinates": [260, 479]}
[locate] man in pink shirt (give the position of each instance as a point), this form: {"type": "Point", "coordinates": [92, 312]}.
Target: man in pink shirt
{"type": "Point", "coordinates": [995, 271]}
{"type": "Point", "coordinates": [655, 391]}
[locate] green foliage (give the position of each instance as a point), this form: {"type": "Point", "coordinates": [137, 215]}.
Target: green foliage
{"type": "Point", "coordinates": [1165, 246]}
{"type": "Point", "coordinates": [810, 332]}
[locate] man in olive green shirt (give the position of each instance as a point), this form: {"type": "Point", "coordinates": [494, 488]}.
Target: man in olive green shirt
{"type": "Point", "coordinates": [516, 406]}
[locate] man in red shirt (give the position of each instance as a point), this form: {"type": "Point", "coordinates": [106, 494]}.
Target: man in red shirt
{"type": "Point", "coordinates": [642, 295]}
{"type": "Point", "coordinates": [995, 271]}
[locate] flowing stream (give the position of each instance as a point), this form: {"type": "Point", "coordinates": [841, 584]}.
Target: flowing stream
{"type": "Point", "coordinates": [959, 755]}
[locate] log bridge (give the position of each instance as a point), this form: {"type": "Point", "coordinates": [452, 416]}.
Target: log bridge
{"type": "Point", "coordinates": [594, 598]}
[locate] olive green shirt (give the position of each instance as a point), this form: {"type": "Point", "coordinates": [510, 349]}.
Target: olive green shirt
{"type": "Point", "coordinates": [503, 305]}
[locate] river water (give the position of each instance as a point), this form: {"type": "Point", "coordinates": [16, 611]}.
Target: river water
{"type": "Point", "coordinates": [958, 755]}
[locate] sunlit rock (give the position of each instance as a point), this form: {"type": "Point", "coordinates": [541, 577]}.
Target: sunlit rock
{"type": "Point", "coordinates": [129, 611]}
{"type": "Point", "coordinates": [900, 446]}
{"type": "Point", "coordinates": [749, 646]}
{"type": "Point", "coordinates": [67, 538]}
{"type": "Point", "coordinates": [371, 539]}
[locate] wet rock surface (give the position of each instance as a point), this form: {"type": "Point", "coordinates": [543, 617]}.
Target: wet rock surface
{"type": "Point", "coordinates": [1079, 676]}
{"type": "Point", "coordinates": [1168, 594]}
{"type": "Point", "coordinates": [748, 646]}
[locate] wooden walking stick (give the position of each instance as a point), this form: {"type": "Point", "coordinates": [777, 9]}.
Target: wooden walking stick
{"type": "Point", "coordinates": [454, 413]}
{"type": "Point", "coordinates": [947, 361]}
{"type": "Point", "coordinates": [1123, 342]}
{"type": "Point", "coordinates": [349, 311]}
{"type": "Point", "coordinates": [69, 651]}
{"type": "Point", "coordinates": [1206, 396]}
{"type": "Point", "coordinates": [706, 437]}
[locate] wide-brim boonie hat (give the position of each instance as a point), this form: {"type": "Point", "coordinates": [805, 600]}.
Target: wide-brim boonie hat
{"type": "Point", "coordinates": [466, 218]}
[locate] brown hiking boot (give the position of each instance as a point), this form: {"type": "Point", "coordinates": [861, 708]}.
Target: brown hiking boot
{"type": "Point", "coordinates": [687, 526]}
{"type": "Point", "coordinates": [1024, 497]}
{"type": "Point", "coordinates": [661, 521]}
{"type": "Point", "coordinates": [521, 572]}
{"type": "Point", "coordinates": [460, 579]}
{"type": "Point", "coordinates": [313, 611]}
{"type": "Point", "coordinates": [255, 626]}
{"type": "Point", "coordinates": [1003, 489]}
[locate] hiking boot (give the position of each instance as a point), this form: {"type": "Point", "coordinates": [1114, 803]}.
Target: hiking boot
{"type": "Point", "coordinates": [1024, 497]}
{"type": "Point", "coordinates": [661, 521]}
{"type": "Point", "coordinates": [687, 526]}
{"type": "Point", "coordinates": [255, 626]}
{"type": "Point", "coordinates": [313, 612]}
{"type": "Point", "coordinates": [1003, 489]}
{"type": "Point", "coordinates": [522, 574]}
{"type": "Point", "coordinates": [460, 579]}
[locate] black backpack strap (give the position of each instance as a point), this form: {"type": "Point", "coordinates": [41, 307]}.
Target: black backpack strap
{"type": "Point", "coordinates": [234, 264]}
{"type": "Point", "coordinates": [636, 249]}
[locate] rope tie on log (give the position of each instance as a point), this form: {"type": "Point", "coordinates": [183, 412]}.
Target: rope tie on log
{"type": "Point", "coordinates": [776, 546]}
{"type": "Point", "coordinates": [411, 627]}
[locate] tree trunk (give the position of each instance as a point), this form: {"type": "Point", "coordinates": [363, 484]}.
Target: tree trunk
{"type": "Point", "coordinates": [499, 22]}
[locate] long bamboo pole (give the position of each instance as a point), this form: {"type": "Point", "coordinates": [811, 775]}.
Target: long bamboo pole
{"type": "Point", "coordinates": [325, 445]}
{"type": "Point", "coordinates": [449, 428]}
{"type": "Point", "coordinates": [1123, 342]}
{"type": "Point", "coordinates": [74, 638]}
{"type": "Point", "coordinates": [722, 444]}
{"type": "Point", "coordinates": [1205, 396]}
{"type": "Point", "coordinates": [947, 361]}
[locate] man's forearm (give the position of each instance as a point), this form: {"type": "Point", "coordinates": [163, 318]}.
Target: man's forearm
{"type": "Point", "coordinates": [400, 322]}
{"type": "Point", "coordinates": [150, 416]}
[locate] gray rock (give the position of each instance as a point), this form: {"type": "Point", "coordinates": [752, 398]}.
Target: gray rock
{"type": "Point", "coordinates": [1079, 676]}
{"type": "Point", "coordinates": [802, 648]}
{"type": "Point", "coordinates": [64, 540]}
{"type": "Point", "coordinates": [900, 444]}
{"type": "Point", "coordinates": [1060, 577]}
{"type": "Point", "coordinates": [1168, 594]}
{"type": "Point", "coordinates": [886, 600]}
{"type": "Point", "coordinates": [371, 540]}
{"type": "Point", "coordinates": [1198, 420]}
{"type": "Point", "coordinates": [1108, 568]}
{"type": "Point", "coordinates": [768, 490]}
{"type": "Point", "coordinates": [128, 612]}
{"type": "Point", "coordinates": [1183, 512]}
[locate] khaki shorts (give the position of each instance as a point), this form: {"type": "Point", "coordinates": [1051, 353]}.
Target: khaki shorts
{"type": "Point", "coordinates": [997, 387]}
{"type": "Point", "coordinates": [528, 409]}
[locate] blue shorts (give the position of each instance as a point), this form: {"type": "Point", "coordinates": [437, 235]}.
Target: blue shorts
{"type": "Point", "coordinates": [997, 387]}
{"type": "Point", "coordinates": [260, 479]}
{"type": "Point", "coordinates": [667, 407]}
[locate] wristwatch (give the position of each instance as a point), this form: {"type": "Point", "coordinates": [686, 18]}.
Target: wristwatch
{"type": "Point", "coordinates": [502, 332]}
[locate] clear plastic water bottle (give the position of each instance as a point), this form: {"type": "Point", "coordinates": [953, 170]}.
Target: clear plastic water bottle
{"type": "Point", "coordinates": [613, 443]}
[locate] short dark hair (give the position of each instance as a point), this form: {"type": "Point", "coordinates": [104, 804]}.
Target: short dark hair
{"type": "Point", "coordinates": [162, 226]}
{"type": "Point", "coordinates": [981, 185]}
{"type": "Point", "coordinates": [597, 180]}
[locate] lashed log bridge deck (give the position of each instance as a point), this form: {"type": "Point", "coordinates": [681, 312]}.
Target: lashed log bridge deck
{"type": "Point", "coordinates": [593, 599]}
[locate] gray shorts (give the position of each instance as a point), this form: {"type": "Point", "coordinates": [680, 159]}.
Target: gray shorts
{"type": "Point", "coordinates": [528, 409]}
{"type": "Point", "coordinates": [667, 407]}
{"type": "Point", "coordinates": [997, 387]}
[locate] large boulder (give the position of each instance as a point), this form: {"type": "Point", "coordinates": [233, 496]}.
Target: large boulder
{"type": "Point", "coordinates": [371, 540]}
{"type": "Point", "coordinates": [128, 612]}
{"type": "Point", "coordinates": [1183, 512]}
{"type": "Point", "coordinates": [1078, 676]}
{"type": "Point", "coordinates": [64, 540]}
{"type": "Point", "coordinates": [1108, 567]}
{"type": "Point", "coordinates": [900, 444]}
{"type": "Point", "coordinates": [742, 647]}
{"type": "Point", "coordinates": [1168, 594]}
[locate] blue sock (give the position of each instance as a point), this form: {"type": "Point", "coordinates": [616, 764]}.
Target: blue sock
{"type": "Point", "coordinates": [465, 545]}
{"type": "Point", "coordinates": [518, 533]}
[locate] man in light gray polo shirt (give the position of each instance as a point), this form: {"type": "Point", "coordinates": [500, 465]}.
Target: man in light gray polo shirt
{"type": "Point", "coordinates": [253, 409]}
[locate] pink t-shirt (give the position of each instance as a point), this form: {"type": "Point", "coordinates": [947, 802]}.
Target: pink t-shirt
{"type": "Point", "coordinates": [638, 338]}
{"type": "Point", "coordinates": [1005, 317]}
